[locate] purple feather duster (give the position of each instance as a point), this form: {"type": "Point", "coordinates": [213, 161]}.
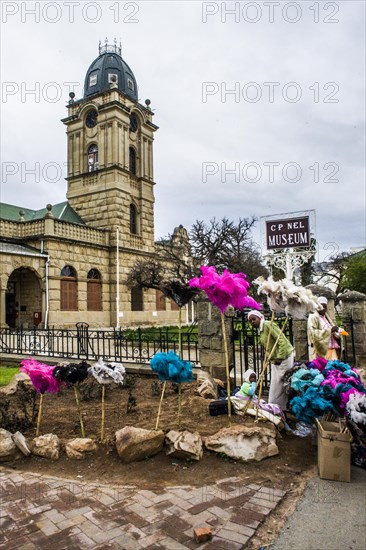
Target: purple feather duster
{"type": "Point", "coordinates": [226, 289]}
{"type": "Point", "coordinates": [41, 376]}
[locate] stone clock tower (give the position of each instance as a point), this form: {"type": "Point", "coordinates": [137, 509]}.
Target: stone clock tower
{"type": "Point", "coordinates": [110, 152]}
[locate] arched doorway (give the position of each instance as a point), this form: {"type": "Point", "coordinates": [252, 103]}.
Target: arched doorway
{"type": "Point", "coordinates": [23, 299]}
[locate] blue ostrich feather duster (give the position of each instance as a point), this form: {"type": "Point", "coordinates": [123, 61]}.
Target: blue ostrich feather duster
{"type": "Point", "coordinates": [343, 367]}
{"type": "Point", "coordinates": [304, 378]}
{"type": "Point", "coordinates": [170, 367]}
{"type": "Point", "coordinates": [313, 403]}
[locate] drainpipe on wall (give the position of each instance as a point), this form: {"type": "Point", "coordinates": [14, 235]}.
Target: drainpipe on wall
{"type": "Point", "coordinates": [47, 308]}
{"type": "Point", "coordinates": [47, 300]}
{"type": "Point", "coordinates": [117, 293]}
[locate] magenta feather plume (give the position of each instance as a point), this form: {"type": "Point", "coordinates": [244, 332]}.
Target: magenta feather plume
{"type": "Point", "coordinates": [226, 289]}
{"type": "Point", "coordinates": [41, 376]}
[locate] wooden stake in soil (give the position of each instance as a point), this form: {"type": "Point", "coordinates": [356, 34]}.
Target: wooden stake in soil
{"type": "Point", "coordinates": [226, 367]}
{"type": "Point", "coordinates": [161, 401]}
{"type": "Point", "coordinates": [39, 415]}
{"type": "Point", "coordinates": [265, 366]}
{"type": "Point", "coordinates": [179, 405]}
{"type": "Point", "coordinates": [79, 411]}
{"type": "Point", "coordinates": [102, 426]}
{"type": "Point", "coordinates": [180, 333]}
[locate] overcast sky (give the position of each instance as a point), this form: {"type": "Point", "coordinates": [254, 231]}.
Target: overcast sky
{"type": "Point", "coordinates": [289, 137]}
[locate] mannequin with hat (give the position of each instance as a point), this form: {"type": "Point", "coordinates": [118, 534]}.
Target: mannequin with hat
{"type": "Point", "coordinates": [323, 335]}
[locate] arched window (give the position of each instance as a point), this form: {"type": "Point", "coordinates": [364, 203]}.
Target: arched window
{"type": "Point", "coordinates": [137, 301]}
{"type": "Point", "coordinates": [132, 161]}
{"type": "Point", "coordinates": [94, 291]}
{"type": "Point", "coordinates": [68, 289]}
{"type": "Point", "coordinates": [133, 219]}
{"type": "Point", "coordinates": [93, 163]}
{"type": "Point", "coordinates": [160, 301]}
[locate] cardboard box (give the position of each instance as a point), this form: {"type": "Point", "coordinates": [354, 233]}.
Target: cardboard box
{"type": "Point", "coordinates": [334, 451]}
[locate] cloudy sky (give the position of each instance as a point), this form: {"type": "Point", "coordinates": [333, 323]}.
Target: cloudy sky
{"type": "Point", "coordinates": [260, 105]}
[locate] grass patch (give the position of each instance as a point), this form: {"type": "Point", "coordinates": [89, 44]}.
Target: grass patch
{"type": "Point", "coordinates": [6, 374]}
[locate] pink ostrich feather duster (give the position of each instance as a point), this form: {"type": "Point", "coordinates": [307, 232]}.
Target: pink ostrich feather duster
{"type": "Point", "coordinates": [41, 376]}
{"type": "Point", "coordinates": [224, 290]}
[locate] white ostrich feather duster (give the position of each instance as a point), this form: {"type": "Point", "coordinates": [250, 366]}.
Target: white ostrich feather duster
{"type": "Point", "coordinates": [273, 290]}
{"type": "Point", "coordinates": [356, 407]}
{"type": "Point", "coordinates": [107, 373]}
{"type": "Point", "coordinates": [284, 296]}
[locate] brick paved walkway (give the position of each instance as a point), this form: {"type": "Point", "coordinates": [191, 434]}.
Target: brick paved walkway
{"type": "Point", "coordinates": [40, 511]}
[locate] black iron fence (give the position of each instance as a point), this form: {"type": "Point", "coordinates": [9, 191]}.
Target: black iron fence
{"type": "Point", "coordinates": [128, 346]}
{"type": "Point", "coordinates": [348, 351]}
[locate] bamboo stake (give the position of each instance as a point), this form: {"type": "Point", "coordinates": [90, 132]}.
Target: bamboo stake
{"type": "Point", "coordinates": [269, 360]}
{"type": "Point", "coordinates": [159, 410]}
{"type": "Point", "coordinates": [264, 365]}
{"type": "Point", "coordinates": [179, 405]}
{"type": "Point", "coordinates": [39, 415]}
{"type": "Point", "coordinates": [102, 426]}
{"type": "Point", "coordinates": [79, 411]}
{"type": "Point", "coordinates": [226, 367]}
{"type": "Point", "coordinates": [180, 333]}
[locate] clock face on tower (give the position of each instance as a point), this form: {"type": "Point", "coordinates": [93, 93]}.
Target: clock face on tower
{"type": "Point", "coordinates": [133, 123]}
{"type": "Point", "coordinates": [91, 118]}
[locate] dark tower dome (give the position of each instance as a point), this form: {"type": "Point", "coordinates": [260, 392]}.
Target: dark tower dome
{"type": "Point", "coordinates": [108, 71]}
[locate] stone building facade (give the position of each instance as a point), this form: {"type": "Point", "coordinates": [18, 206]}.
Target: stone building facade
{"type": "Point", "coordinates": [67, 263]}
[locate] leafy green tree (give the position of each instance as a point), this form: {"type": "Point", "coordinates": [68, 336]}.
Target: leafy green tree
{"type": "Point", "coordinates": [354, 274]}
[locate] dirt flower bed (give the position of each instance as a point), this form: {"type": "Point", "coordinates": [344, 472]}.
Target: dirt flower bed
{"type": "Point", "coordinates": [296, 459]}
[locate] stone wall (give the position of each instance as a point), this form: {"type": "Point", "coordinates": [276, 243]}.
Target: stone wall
{"type": "Point", "coordinates": [210, 339]}
{"type": "Point", "coordinates": [354, 307]}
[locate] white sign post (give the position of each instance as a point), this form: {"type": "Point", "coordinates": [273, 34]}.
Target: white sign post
{"type": "Point", "coordinates": [288, 240]}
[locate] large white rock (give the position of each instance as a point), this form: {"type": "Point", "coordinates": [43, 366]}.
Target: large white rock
{"type": "Point", "coordinates": [184, 444]}
{"type": "Point", "coordinates": [12, 387]}
{"type": "Point", "coordinates": [8, 449]}
{"type": "Point", "coordinates": [21, 442]}
{"type": "Point", "coordinates": [47, 446]}
{"type": "Point", "coordinates": [135, 444]}
{"type": "Point", "coordinates": [244, 443]}
{"type": "Point", "coordinates": [78, 447]}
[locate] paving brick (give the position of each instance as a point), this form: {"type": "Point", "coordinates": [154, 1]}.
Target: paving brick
{"type": "Point", "coordinates": [150, 540]}
{"type": "Point", "coordinates": [171, 544]}
{"type": "Point", "coordinates": [174, 527]}
{"type": "Point", "coordinates": [104, 536]}
{"type": "Point", "coordinates": [137, 520]}
{"type": "Point", "coordinates": [27, 546]}
{"type": "Point", "coordinates": [54, 516]}
{"type": "Point", "coordinates": [126, 542]}
{"type": "Point", "coordinates": [232, 536]}
{"type": "Point", "coordinates": [180, 502]}
{"type": "Point", "coordinates": [101, 520]}
{"type": "Point", "coordinates": [47, 527]}
{"type": "Point", "coordinates": [133, 531]}
{"type": "Point", "coordinates": [237, 501]}
{"type": "Point", "coordinates": [265, 505]}
{"type": "Point", "coordinates": [82, 540]}
{"type": "Point", "coordinates": [237, 528]}
{"type": "Point", "coordinates": [78, 511]}
{"type": "Point", "coordinates": [160, 498]}
{"type": "Point", "coordinates": [222, 544]}
{"type": "Point", "coordinates": [143, 500]}
{"type": "Point", "coordinates": [219, 512]}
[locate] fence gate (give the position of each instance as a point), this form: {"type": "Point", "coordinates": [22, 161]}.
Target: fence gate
{"type": "Point", "coordinates": [248, 353]}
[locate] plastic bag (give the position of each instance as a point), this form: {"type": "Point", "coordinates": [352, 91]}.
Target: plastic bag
{"type": "Point", "coordinates": [303, 429]}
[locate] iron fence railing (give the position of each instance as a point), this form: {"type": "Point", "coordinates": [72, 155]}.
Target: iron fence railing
{"type": "Point", "coordinates": [129, 346]}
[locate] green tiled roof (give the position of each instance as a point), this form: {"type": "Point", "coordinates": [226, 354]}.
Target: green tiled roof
{"type": "Point", "coordinates": [61, 211]}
